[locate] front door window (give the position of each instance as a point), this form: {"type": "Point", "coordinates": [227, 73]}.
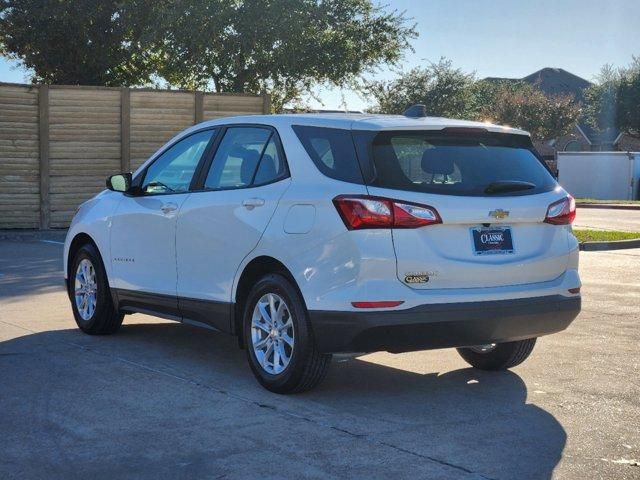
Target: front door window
{"type": "Point", "coordinates": [173, 170]}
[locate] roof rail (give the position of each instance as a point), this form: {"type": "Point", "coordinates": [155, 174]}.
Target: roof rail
{"type": "Point", "coordinates": [416, 111]}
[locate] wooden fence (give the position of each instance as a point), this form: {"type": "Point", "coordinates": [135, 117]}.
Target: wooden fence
{"type": "Point", "coordinates": [59, 143]}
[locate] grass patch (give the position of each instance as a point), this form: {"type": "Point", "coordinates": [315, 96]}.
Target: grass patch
{"type": "Point", "coordinates": [604, 236]}
{"type": "Point", "coordinates": [593, 200]}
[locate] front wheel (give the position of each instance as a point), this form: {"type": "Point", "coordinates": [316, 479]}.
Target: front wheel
{"type": "Point", "coordinates": [279, 342]}
{"type": "Point", "coordinates": [498, 356]}
{"type": "Point", "coordinates": [91, 301]}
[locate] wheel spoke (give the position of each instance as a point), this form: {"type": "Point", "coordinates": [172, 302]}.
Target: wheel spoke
{"type": "Point", "coordinates": [262, 343]}
{"type": "Point", "coordinates": [286, 326]}
{"type": "Point", "coordinates": [85, 273]}
{"type": "Point", "coordinates": [272, 307]}
{"type": "Point", "coordinates": [262, 325]}
{"type": "Point", "coordinates": [89, 305]}
{"type": "Point", "coordinates": [263, 312]}
{"type": "Point", "coordinates": [287, 339]}
{"type": "Point", "coordinates": [276, 356]}
{"type": "Point", "coordinates": [283, 354]}
{"type": "Point", "coordinates": [279, 314]}
{"type": "Point", "coordinates": [265, 358]}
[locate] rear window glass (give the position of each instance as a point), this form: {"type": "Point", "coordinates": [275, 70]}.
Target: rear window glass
{"type": "Point", "coordinates": [458, 165]}
{"type": "Point", "coordinates": [332, 151]}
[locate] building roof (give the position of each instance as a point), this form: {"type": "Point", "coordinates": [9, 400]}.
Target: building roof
{"type": "Point", "coordinates": [552, 81]}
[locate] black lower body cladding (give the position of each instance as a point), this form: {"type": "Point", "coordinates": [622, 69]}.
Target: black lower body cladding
{"type": "Point", "coordinates": [443, 325]}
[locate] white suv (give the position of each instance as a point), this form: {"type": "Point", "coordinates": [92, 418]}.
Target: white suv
{"type": "Point", "coordinates": [307, 235]}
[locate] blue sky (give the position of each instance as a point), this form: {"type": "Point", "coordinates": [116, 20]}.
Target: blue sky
{"type": "Point", "coordinates": [501, 38]}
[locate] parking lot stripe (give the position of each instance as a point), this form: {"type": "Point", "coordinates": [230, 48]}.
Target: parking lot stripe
{"type": "Point", "coordinates": [52, 241]}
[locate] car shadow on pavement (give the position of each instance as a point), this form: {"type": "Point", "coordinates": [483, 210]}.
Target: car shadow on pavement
{"type": "Point", "coordinates": [466, 421]}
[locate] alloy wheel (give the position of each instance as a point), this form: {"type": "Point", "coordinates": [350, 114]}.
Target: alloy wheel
{"type": "Point", "coordinates": [272, 333]}
{"type": "Point", "coordinates": [86, 289]}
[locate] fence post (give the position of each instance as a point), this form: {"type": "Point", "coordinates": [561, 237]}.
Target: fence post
{"type": "Point", "coordinates": [199, 107]}
{"type": "Point", "coordinates": [266, 103]}
{"type": "Point", "coordinates": [125, 130]}
{"type": "Point", "coordinates": [43, 136]}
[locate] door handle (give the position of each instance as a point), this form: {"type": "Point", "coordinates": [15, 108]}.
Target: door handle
{"type": "Point", "coordinates": [169, 207]}
{"type": "Point", "coordinates": [253, 202]}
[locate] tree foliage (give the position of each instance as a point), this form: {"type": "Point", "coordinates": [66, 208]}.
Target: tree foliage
{"type": "Point", "coordinates": [90, 42]}
{"type": "Point", "coordinates": [524, 106]}
{"type": "Point", "coordinates": [445, 91]}
{"type": "Point", "coordinates": [614, 101]}
{"type": "Point", "coordinates": [449, 92]}
{"type": "Point", "coordinates": [283, 47]}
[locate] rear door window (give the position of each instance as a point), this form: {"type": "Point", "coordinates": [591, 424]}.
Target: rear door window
{"type": "Point", "coordinates": [492, 164]}
{"type": "Point", "coordinates": [247, 156]}
{"type": "Point", "coordinates": [332, 151]}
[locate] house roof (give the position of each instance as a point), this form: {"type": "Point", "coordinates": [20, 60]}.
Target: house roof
{"type": "Point", "coordinates": [552, 81]}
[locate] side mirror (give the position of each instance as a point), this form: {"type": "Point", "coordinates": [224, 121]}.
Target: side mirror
{"type": "Point", "coordinates": [119, 183]}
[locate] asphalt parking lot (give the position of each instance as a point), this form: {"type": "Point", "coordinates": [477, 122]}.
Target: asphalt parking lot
{"type": "Point", "coordinates": [164, 400]}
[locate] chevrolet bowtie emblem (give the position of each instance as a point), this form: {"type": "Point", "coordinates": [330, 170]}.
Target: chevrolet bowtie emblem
{"type": "Point", "coordinates": [499, 213]}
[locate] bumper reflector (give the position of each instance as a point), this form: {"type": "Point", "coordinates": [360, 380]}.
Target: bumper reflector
{"type": "Point", "coordinates": [387, 304]}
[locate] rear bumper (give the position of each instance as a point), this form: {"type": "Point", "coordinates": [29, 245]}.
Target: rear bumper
{"type": "Point", "coordinates": [443, 325]}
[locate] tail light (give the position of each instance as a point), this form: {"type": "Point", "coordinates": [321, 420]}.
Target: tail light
{"type": "Point", "coordinates": [362, 212]}
{"type": "Point", "coordinates": [562, 212]}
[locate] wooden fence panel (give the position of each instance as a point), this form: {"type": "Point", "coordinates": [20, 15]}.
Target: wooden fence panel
{"type": "Point", "coordinates": [59, 143]}
{"type": "Point", "coordinates": [155, 118]}
{"type": "Point", "coordinates": [84, 146]}
{"type": "Point", "coordinates": [19, 157]}
{"type": "Point", "coordinates": [218, 106]}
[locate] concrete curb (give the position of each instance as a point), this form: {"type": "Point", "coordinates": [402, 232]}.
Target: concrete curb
{"type": "Point", "coordinates": [612, 206]}
{"type": "Point", "coordinates": [613, 245]}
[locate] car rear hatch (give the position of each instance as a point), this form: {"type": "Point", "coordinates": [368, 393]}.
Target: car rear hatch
{"type": "Point", "coordinates": [491, 193]}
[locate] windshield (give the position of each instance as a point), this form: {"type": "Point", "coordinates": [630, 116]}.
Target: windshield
{"type": "Point", "coordinates": [479, 165]}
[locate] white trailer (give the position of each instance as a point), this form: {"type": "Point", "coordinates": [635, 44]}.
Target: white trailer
{"type": "Point", "coordinates": [600, 175]}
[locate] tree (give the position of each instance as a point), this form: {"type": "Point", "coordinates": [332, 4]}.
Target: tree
{"type": "Point", "coordinates": [90, 42]}
{"type": "Point", "coordinates": [282, 47]}
{"type": "Point", "coordinates": [449, 92]}
{"type": "Point", "coordinates": [614, 101]}
{"type": "Point", "coordinates": [524, 106]}
{"type": "Point", "coordinates": [444, 90]}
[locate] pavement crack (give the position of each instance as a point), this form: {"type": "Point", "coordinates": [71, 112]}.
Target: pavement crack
{"type": "Point", "coordinates": [356, 435]}
{"type": "Point", "coordinates": [434, 459]}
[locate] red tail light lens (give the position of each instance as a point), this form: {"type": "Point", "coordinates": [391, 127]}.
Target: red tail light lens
{"type": "Point", "coordinates": [562, 212]}
{"type": "Point", "coordinates": [363, 212]}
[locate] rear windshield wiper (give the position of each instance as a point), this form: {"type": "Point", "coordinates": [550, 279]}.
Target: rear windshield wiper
{"type": "Point", "coordinates": [504, 186]}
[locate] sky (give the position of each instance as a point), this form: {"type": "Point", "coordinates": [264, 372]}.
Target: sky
{"type": "Point", "coordinates": [497, 38]}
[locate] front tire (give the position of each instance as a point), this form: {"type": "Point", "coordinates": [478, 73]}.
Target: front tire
{"type": "Point", "coordinates": [90, 295]}
{"type": "Point", "coordinates": [279, 342]}
{"type": "Point", "coordinates": [499, 356]}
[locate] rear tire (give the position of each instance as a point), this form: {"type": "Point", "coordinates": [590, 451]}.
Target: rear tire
{"type": "Point", "coordinates": [501, 357]}
{"type": "Point", "coordinates": [279, 343]}
{"type": "Point", "coordinates": [93, 307]}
